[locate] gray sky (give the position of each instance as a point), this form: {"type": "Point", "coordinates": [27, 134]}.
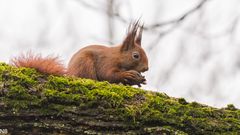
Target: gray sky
{"type": "Point", "coordinates": [199, 59]}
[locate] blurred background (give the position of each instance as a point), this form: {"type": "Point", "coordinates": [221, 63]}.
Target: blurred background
{"type": "Point", "coordinates": [193, 45]}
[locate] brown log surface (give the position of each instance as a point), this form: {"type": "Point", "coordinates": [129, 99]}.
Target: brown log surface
{"type": "Point", "coordinates": [34, 103]}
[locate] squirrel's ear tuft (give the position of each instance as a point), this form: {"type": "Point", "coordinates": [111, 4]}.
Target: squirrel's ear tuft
{"type": "Point", "coordinates": [139, 35]}
{"type": "Point", "coordinates": [129, 41]}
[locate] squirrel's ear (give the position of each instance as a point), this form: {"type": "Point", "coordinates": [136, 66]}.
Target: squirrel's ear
{"type": "Point", "coordinates": [139, 36]}
{"type": "Point", "coordinates": [129, 41]}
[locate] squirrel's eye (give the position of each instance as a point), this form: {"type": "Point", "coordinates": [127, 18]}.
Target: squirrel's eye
{"type": "Point", "coordinates": [135, 55]}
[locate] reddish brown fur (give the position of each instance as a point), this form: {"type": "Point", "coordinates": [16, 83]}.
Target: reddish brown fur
{"type": "Point", "coordinates": [48, 65]}
{"type": "Point", "coordinates": [113, 64]}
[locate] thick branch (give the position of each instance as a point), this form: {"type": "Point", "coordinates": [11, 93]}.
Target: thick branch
{"type": "Point", "coordinates": [32, 103]}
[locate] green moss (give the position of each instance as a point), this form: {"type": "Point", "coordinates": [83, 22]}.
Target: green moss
{"type": "Point", "coordinates": [182, 101]}
{"type": "Point", "coordinates": [231, 107]}
{"type": "Point", "coordinates": [23, 88]}
{"type": "Point", "coordinates": [62, 97]}
{"type": "Point", "coordinates": [18, 92]}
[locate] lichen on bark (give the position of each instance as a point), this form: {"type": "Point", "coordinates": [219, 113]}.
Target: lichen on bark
{"type": "Point", "coordinates": [32, 102]}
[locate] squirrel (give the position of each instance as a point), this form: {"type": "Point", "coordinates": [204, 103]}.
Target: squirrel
{"type": "Point", "coordinates": [119, 64]}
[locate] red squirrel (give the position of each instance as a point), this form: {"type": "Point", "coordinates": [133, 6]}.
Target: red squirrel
{"type": "Point", "coordinates": [120, 64]}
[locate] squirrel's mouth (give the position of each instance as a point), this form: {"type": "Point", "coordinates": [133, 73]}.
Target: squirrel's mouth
{"type": "Point", "coordinates": [144, 81]}
{"type": "Point", "coordinates": [143, 70]}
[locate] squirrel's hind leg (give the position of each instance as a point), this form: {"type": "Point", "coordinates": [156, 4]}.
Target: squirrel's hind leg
{"type": "Point", "coordinates": [83, 68]}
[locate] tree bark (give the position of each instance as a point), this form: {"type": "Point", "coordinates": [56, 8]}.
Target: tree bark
{"type": "Point", "coordinates": [33, 103]}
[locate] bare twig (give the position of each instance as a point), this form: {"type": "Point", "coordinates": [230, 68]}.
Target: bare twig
{"type": "Point", "coordinates": [228, 30]}
{"type": "Point", "coordinates": [86, 4]}
{"type": "Point", "coordinates": [178, 19]}
{"type": "Point", "coordinates": [120, 18]}
{"type": "Point", "coordinates": [110, 13]}
{"type": "Point", "coordinates": [102, 10]}
{"type": "Point", "coordinates": [175, 22]}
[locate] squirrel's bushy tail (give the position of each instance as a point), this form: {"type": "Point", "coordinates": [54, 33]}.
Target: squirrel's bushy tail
{"type": "Point", "coordinates": [47, 65]}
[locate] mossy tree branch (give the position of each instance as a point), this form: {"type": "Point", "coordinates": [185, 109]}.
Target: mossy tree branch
{"type": "Point", "coordinates": [31, 102]}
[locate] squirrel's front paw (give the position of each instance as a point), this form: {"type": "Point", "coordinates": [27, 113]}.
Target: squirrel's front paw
{"type": "Point", "coordinates": [133, 77]}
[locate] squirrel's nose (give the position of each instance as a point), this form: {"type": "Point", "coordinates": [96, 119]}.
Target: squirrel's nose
{"type": "Point", "coordinates": [145, 69]}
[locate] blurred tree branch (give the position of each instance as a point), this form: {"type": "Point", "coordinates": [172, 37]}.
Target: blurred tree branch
{"type": "Point", "coordinates": [86, 4]}
{"type": "Point", "coordinates": [110, 13]}
{"type": "Point", "coordinates": [115, 14]}
{"type": "Point", "coordinates": [178, 19]}
{"type": "Point", "coordinates": [174, 22]}
{"type": "Point", "coordinates": [228, 30]}
{"type": "Point", "coordinates": [118, 16]}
